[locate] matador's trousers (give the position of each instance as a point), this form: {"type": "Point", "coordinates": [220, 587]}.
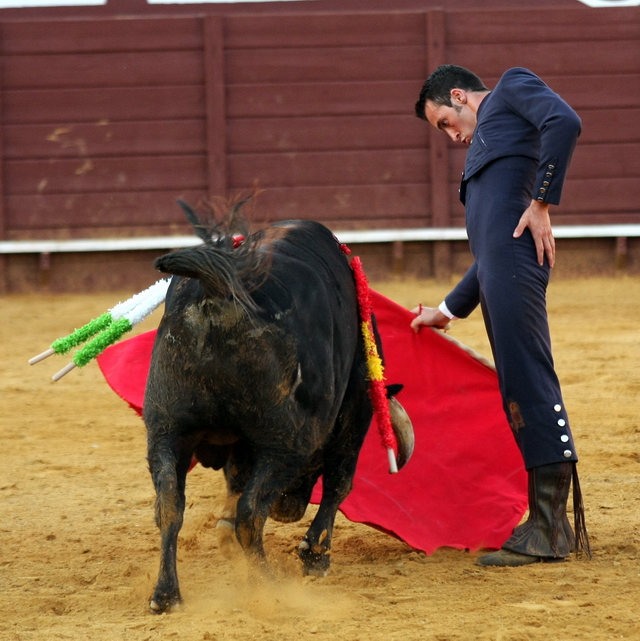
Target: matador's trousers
{"type": "Point", "coordinates": [512, 288]}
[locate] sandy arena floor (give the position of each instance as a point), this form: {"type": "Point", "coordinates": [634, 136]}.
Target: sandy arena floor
{"type": "Point", "coordinates": [79, 548]}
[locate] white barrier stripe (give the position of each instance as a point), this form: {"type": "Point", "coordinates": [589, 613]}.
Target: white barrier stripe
{"type": "Point", "coordinates": [96, 245]}
{"type": "Point", "coordinates": [348, 237]}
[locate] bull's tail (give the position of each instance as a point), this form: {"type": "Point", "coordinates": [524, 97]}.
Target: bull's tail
{"type": "Point", "coordinates": [228, 264]}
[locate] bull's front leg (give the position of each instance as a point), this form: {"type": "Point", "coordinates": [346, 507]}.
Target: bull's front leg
{"type": "Point", "coordinates": [315, 549]}
{"type": "Point", "coordinates": [226, 527]}
{"type": "Point", "coordinates": [169, 480]}
{"type": "Point", "coordinates": [340, 459]}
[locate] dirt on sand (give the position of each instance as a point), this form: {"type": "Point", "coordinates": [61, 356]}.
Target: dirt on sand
{"type": "Point", "coordinates": [79, 548]}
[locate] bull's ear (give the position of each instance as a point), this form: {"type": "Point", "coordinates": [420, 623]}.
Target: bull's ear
{"type": "Point", "coordinates": [198, 227]}
{"type": "Point", "coordinates": [394, 389]}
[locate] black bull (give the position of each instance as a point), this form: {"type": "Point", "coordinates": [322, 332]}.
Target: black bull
{"type": "Point", "coordinates": [259, 369]}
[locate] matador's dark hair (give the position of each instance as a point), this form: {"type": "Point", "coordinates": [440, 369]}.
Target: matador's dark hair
{"type": "Point", "coordinates": [438, 86]}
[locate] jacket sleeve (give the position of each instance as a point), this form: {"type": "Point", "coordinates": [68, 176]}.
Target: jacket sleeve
{"type": "Point", "coordinates": [559, 128]}
{"type": "Point", "coordinates": [465, 297]}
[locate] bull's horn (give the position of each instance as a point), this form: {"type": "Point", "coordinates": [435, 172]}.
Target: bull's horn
{"type": "Point", "coordinates": [403, 430]}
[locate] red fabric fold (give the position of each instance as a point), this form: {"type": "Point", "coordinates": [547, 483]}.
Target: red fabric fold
{"type": "Point", "coordinates": [465, 486]}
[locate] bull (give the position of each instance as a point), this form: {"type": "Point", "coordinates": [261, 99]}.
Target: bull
{"type": "Point", "coordinates": [258, 368]}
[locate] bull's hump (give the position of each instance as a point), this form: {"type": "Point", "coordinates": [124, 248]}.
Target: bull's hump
{"type": "Point", "coordinates": [289, 229]}
{"type": "Point", "coordinates": [273, 234]}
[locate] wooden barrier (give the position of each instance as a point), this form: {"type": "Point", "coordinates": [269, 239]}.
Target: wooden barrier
{"type": "Point", "coordinates": [107, 121]}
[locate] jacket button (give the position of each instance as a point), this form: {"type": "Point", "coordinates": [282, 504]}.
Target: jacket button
{"type": "Point", "coordinates": [562, 422]}
{"type": "Point", "coordinates": [552, 166]}
{"type": "Point", "coordinates": [564, 438]}
{"type": "Point", "coordinates": [567, 453]}
{"type": "Point", "coordinates": [540, 198]}
{"type": "Point", "coordinates": [542, 190]}
{"type": "Point", "coordinates": [546, 183]}
{"type": "Point", "coordinates": [557, 407]}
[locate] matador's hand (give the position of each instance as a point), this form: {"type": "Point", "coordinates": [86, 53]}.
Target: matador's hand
{"type": "Point", "coordinates": [429, 316]}
{"type": "Point", "coordinates": [536, 218]}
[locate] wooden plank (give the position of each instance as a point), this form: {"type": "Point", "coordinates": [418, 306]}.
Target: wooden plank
{"type": "Point", "coordinates": [93, 35]}
{"type": "Point", "coordinates": [86, 272]}
{"type": "Point", "coordinates": [216, 106]}
{"type": "Point", "coordinates": [563, 58]}
{"type": "Point", "coordinates": [366, 203]}
{"type": "Point", "coordinates": [457, 156]}
{"type": "Point", "coordinates": [330, 29]}
{"type": "Point", "coordinates": [84, 175]}
{"type": "Point", "coordinates": [456, 208]}
{"type": "Point", "coordinates": [130, 69]}
{"type": "Point", "coordinates": [325, 64]}
{"type": "Point", "coordinates": [330, 168]}
{"type": "Point", "coordinates": [106, 104]}
{"type": "Point", "coordinates": [117, 214]}
{"type": "Point", "coordinates": [99, 232]}
{"type": "Point", "coordinates": [113, 214]}
{"type": "Point", "coordinates": [321, 99]}
{"type": "Point", "coordinates": [327, 132]}
{"type": "Point", "coordinates": [543, 25]}
{"type": "Point", "coordinates": [343, 222]}
{"type": "Point", "coordinates": [438, 149]}
{"type": "Point", "coordinates": [144, 138]}
{"type": "Point", "coordinates": [606, 161]}
{"type": "Point", "coordinates": [439, 160]}
{"type": "Point", "coordinates": [136, 8]}
{"type": "Point", "coordinates": [601, 195]}
{"type": "Point", "coordinates": [610, 125]}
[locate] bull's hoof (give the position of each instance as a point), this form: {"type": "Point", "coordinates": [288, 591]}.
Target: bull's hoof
{"type": "Point", "coordinates": [315, 559]}
{"type": "Point", "coordinates": [161, 603]}
{"type": "Point", "coordinates": [226, 537]}
{"type": "Point", "coordinates": [319, 572]}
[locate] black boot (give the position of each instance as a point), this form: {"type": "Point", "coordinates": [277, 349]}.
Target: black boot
{"type": "Point", "coordinates": [546, 535]}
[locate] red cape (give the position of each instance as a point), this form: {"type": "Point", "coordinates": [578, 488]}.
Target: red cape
{"type": "Point", "coordinates": [465, 486]}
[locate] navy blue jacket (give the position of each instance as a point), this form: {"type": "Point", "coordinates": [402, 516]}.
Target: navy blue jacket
{"type": "Point", "coordinates": [522, 116]}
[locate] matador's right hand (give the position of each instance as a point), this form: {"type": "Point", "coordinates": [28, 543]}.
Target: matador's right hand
{"type": "Point", "coordinates": [428, 316]}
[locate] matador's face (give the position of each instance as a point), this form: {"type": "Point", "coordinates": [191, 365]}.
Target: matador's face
{"type": "Point", "coordinates": [458, 121]}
